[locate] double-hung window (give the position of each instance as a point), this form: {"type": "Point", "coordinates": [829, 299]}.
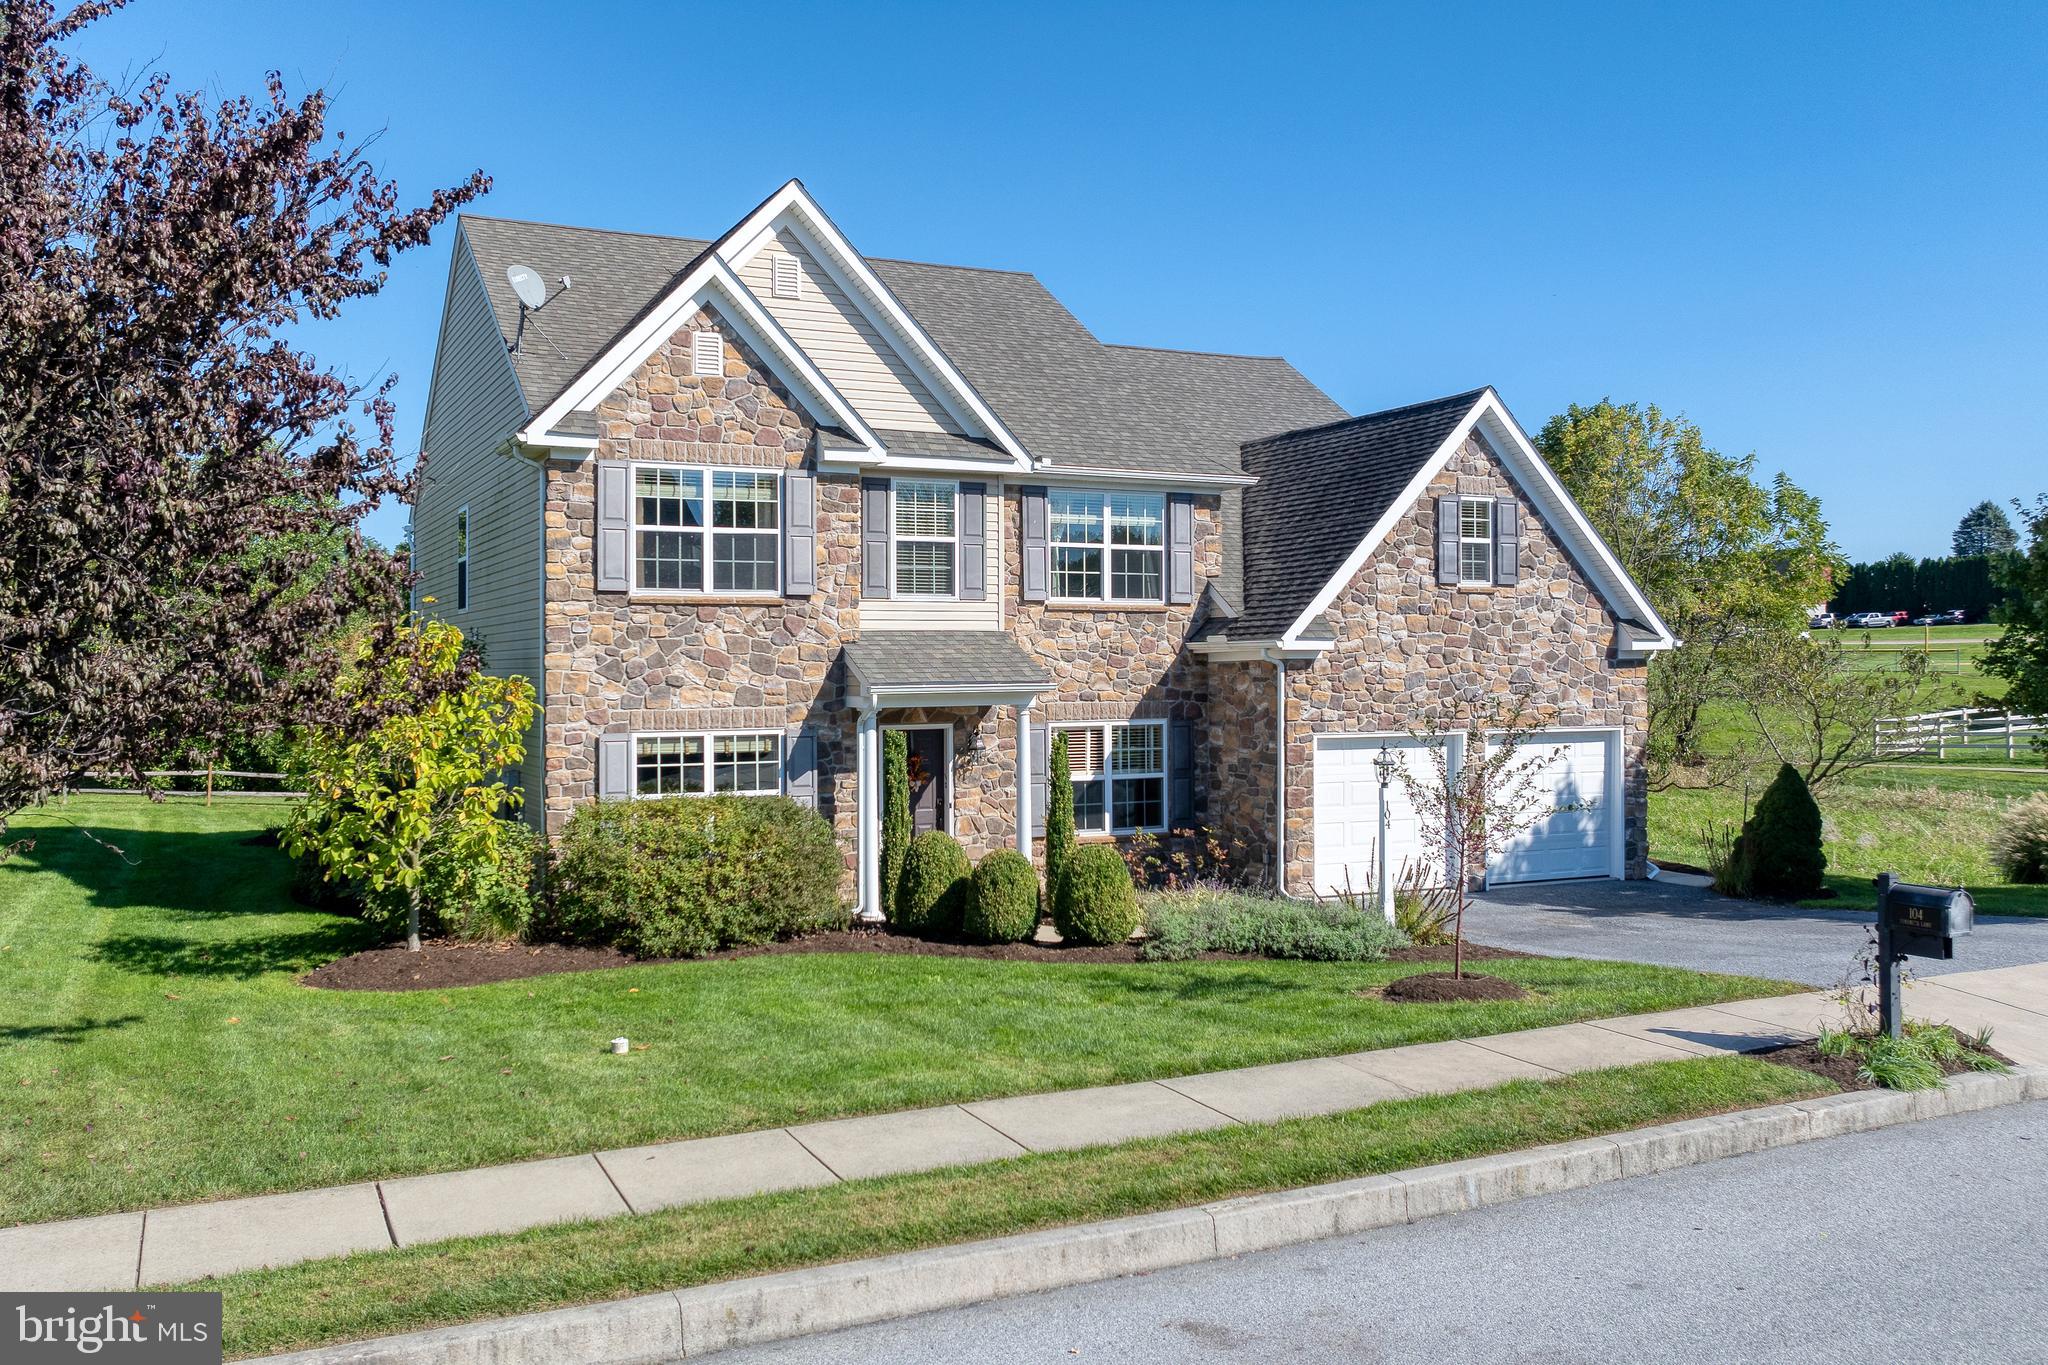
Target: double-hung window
{"type": "Point", "coordinates": [1119, 776]}
{"type": "Point", "coordinates": [926, 527]}
{"type": "Point", "coordinates": [692, 765]}
{"type": "Point", "coordinates": [1108, 546]}
{"type": "Point", "coordinates": [462, 560]}
{"type": "Point", "coordinates": [1475, 540]}
{"type": "Point", "coordinates": [677, 539]}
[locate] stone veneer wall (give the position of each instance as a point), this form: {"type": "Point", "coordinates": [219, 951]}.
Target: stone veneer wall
{"type": "Point", "coordinates": [1408, 648]}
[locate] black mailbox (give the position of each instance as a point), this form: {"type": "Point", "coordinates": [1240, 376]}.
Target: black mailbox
{"type": "Point", "coordinates": [1923, 921]}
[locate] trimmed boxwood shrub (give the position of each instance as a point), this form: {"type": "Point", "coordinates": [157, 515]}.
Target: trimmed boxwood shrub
{"type": "Point", "coordinates": [1095, 902]}
{"type": "Point", "coordinates": [1779, 853]}
{"type": "Point", "coordinates": [933, 894]}
{"type": "Point", "coordinates": [690, 875]}
{"type": "Point", "coordinates": [1002, 904]}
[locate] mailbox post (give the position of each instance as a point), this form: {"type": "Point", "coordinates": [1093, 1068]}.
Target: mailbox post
{"type": "Point", "coordinates": [1914, 921]}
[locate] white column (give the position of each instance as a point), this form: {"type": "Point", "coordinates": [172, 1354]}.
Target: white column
{"type": "Point", "coordinates": [1024, 778]}
{"type": "Point", "coordinates": [1280, 775]}
{"type": "Point", "coordinates": [1386, 868]}
{"type": "Point", "coordinates": [868, 816]}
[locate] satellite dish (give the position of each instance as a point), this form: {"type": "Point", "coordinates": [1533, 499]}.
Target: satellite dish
{"type": "Point", "coordinates": [528, 285]}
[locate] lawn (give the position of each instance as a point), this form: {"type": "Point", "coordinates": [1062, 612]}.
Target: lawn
{"type": "Point", "coordinates": [1928, 824]}
{"type": "Point", "coordinates": [551, 1267]}
{"type": "Point", "coordinates": [159, 1048]}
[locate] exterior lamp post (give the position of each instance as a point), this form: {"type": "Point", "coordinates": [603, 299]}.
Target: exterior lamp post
{"type": "Point", "coordinates": [1383, 767]}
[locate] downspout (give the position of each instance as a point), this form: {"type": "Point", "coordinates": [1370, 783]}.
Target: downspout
{"type": "Point", "coordinates": [1279, 770]}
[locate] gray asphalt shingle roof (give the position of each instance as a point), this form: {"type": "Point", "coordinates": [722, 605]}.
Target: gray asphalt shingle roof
{"type": "Point", "coordinates": [942, 658]}
{"type": "Point", "coordinates": [1319, 493]}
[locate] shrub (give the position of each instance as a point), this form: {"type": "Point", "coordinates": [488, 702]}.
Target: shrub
{"type": "Point", "coordinates": [1002, 905]}
{"type": "Point", "coordinates": [1059, 816]}
{"type": "Point", "coordinates": [895, 815]}
{"type": "Point", "coordinates": [2020, 847]}
{"type": "Point", "coordinates": [1423, 913]}
{"type": "Point", "coordinates": [1186, 924]}
{"type": "Point", "coordinates": [1095, 901]}
{"type": "Point", "coordinates": [692, 874]}
{"type": "Point", "coordinates": [1779, 852]}
{"type": "Point", "coordinates": [933, 896]}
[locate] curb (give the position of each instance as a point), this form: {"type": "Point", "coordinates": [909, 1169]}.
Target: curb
{"type": "Point", "coordinates": [716, 1317]}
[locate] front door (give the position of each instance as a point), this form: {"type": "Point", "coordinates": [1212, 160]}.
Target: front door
{"type": "Point", "coordinates": [928, 771]}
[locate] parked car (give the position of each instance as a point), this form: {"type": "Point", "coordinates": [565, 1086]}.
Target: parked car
{"type": "Point", "coordinates": [1871, 620]}
{"type": "Point", "coordinates": [1899, 618]}
{"type": "Point", "coordinates": [1822, 620]}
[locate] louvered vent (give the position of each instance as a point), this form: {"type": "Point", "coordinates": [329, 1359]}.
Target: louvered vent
{"type": "Point", "coordinates": [707, 355]}
{"type": "Point", "coordinates": [787, 281]}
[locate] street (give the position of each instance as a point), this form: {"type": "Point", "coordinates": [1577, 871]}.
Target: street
{"type": "Point", "coordinates": [1918, 1242]}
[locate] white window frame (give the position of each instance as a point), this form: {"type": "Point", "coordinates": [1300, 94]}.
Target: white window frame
{"type": "Point", "coordinates": [895, 589]}
{"type": "Point", "coordinates": [705, 345]}
{"type": "Point", "coordinates": [462, 559]}
{"type": "Point", "coordinates": [1109, 777]}
{"type": "Point", "coordinates": [785, 277]}
{"type": "Point", "coordinates": [1489, 540]}
{"type": "Point", "coordinates": [709, 531]}
{"type": "Point", "coordinates": [708, 764]}
{"type": "Point", "coordinates": [1106, 546]}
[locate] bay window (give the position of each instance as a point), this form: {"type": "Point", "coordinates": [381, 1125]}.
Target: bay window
{"type": "Point", "coordinates": [1119, 775]}
{"type": "Point", "coordinates": [926, 530]}
{"type": "Point", "coordinates": [1107, 545]}
{"type": "Point", "coordinates": [692, 765]}
{"type": "Point", "coordinates": [675, 534]}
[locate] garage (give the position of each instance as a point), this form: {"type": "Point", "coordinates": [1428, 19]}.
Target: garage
{"type": "Point", "coordinates": [1578, 836]}
{"type": "Point", "coordinates": [1347, 812]}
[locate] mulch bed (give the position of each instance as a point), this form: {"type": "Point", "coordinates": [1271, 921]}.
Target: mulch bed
{"type": "Point", "coordinates": [1842, 1070]}
{"type": "Point", "coordinates": [441, 963]}
{"type": "Point", "coordinates": [1439, 987]}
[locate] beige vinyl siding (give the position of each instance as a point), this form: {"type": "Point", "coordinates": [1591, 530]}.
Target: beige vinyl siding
{"type": "Point", "coordinates": [843, 343]}
{"type": "Point", "coordinates": [473, 407]}
{"type": "Point", "coordinates": [911, 613]}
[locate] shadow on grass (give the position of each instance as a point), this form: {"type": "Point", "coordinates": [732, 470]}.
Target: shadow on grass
{"type": "Point", "coordinates": [76, 1032]}
{"type": "Point", "coordinates": [202, 873]}
{"type": "Point", "coordinates": [254, 955]}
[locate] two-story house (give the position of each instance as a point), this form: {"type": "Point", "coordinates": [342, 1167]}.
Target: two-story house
{"type": "Point", "coordinates": [739, 507]}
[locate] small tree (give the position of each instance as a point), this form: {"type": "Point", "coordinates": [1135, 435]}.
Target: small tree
{"type": "Point", "coordinates": [895, 815]}
{"type": "Point", "coordinates": [1468, 815]}
{"type": "Point", "coordinates": [1815, 707]}
{"type": "Point", "coordinates": [1984, 530]}
{"type": "Point", "coordinates": [421, 769]}
{"type": "Point", "coordinates": [1059, 816]}
{"type": "Point", "coordinates": [1779, 853]}
{"type": "Point", "coordinates": [2020, 654]}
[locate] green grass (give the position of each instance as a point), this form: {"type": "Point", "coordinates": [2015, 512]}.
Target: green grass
{"type": "Point", "coordinates": [482, 1277]}
{"type": "Point", "coordinates": [159, 1049]}
{"type": "Point", "coordinates": [1927, 824]}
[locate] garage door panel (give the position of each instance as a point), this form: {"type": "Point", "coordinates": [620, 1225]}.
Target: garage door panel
{"type": "Point", "coordinates": [1578, 834]}
{"type": "Point", "coordinates": [1347, 794]}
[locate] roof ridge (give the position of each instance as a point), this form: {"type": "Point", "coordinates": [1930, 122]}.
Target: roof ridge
{"type": "Point", "coordinates": [1190, 350]}
{"type": "Point", "coordinates": [1472, 395]}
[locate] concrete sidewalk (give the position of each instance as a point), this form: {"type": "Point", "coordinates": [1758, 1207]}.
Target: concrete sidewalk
{"type": "Point", "coordinates": [163, 1246]}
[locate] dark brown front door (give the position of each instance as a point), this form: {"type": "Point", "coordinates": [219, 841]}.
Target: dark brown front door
{"type": "Point", "coordinates": [928, 794]}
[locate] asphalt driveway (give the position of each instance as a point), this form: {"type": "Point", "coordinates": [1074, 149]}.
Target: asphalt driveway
{"type": "Point", "coordinates": [1686, 927]}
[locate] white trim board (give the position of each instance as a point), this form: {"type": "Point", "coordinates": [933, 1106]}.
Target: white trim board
{"type": "Point", "coordinates": [1561, 515]}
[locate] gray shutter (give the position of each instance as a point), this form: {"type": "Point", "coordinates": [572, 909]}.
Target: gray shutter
{"type": "Point", "coordinates": [800, 766]}
{"type": "Point", "coordinates": [1041, 759]}
{"type": "Point", "coordinates": [614, 766]}
{"type": "Point", "coordinates": [614, 515]}
{"type": "Point", "coordinates": [1180, 548]}
{"type": "Point", "coordinates": [1507, 542]}
{"type": "Point", "coordinates": [799, 534]}
{"type": "Point", "coordinates": [1447, 541]}
{"type": "Point", "coordinates": [973, 523]}
{"type": "Point", "coordinates": [1035, 547]}
{"type": "Point", "coordinates": [874, 537]}
{"type": "Point", "coordinates": [1181, 770]}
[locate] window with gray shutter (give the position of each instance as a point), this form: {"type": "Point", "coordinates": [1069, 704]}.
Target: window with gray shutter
{"type": "Point", "coordinates": [874, 537]}
{"type": "Point", "coordinates": [799, 534]}
{"type": "Point", "coordinates": [1180, 548]}
{"type": "Point", "coordinates": [973, 583]}
{"type": "Point", "coordinates": [1507, 542]}
{"type": "Point", "coordinates": [1034, 544]}
{"type": "Point", "coordinates": [1447, 541]}
{"type": "Point", "coordinates": [614, 515]}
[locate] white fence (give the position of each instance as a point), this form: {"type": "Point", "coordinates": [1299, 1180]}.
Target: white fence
{"type": "Point", "coordinates": [1941, 733]}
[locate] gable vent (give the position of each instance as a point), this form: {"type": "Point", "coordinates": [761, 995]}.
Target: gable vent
{"type": "Point", "coordinates": [787, 280]}
{"type": "Point", "coordinates": [707, 355]}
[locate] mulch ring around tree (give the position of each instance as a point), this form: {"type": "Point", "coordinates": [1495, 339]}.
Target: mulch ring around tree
{"type": "Point", "coordinates": [1442, 987]}
{"type": "Point", "coordinates": [442, 963]}
{"type": "Point", "coordinates": [1845, 1071]}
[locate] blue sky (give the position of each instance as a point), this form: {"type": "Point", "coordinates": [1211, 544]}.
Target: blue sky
{"type": "Point", "coordinates": [1820, 231]}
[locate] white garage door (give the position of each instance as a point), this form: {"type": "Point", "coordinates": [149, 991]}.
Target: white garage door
{"type": "Point", "coordinates": [1347, 811]}
{"type": "Point", "coordinates": [1579, 834]}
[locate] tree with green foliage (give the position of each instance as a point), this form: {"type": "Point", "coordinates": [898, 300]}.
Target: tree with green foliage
{"type": "Point", "coordinates": [895, 815]}
{"type": "Point", "coordinates": [1984, 531]}
{"type": "Point", "coordinates": [1720, 554]}
{"type": "Point", "coordinates": [1778, 854]}
{"type": "Point", "coordinates": [1059, 815]}
{"type": "Point", "coordinates": [1814, 706]}
{"type": "Point", "coordinates": [419, 766]}
{"type": "Point", "coordinates": [2020, 654]}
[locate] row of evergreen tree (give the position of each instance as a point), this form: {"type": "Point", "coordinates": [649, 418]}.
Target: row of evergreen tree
{"type": "Point", "coordinates": [1984, 546]}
